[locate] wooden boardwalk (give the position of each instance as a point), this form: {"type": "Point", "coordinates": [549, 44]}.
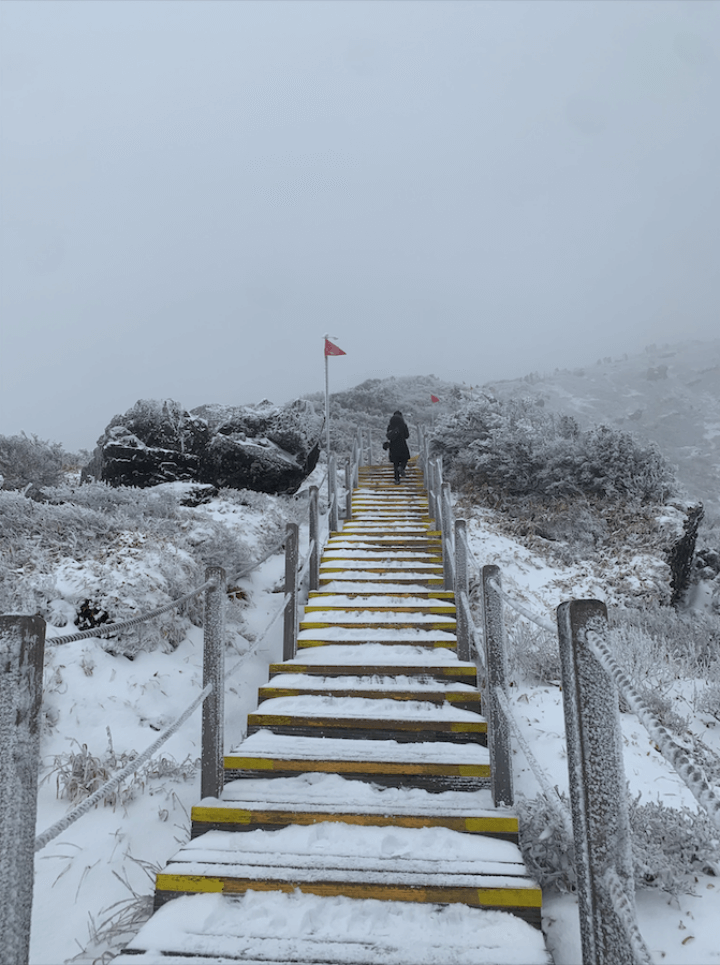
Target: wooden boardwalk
{"type": "Point", "coordinates": [364, 777]}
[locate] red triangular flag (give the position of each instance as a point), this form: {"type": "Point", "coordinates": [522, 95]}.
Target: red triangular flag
{"type": "Point", "coordinates": [434, 398]}
{"type": "Point", "coordinates": [331, 349]}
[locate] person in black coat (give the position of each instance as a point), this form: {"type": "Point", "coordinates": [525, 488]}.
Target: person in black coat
{"type": "Point", "coordinates": [397, 432]}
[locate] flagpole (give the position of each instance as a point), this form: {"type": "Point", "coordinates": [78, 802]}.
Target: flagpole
{"type": "Point", "coordinates": [327, 404]}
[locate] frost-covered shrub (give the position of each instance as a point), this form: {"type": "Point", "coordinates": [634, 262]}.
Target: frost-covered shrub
{"type": "Point", "coordinates": [124, 552]}
{"type": "Point", "coordinates": [515, 448]}
{"type": "Point", "coordinates": [548, 850]}
{"type": "Point", "coordinates": [669, 845]}
{"type": "Point", "coordinates": [26, 460]}
{"type": "Point", "coordinates": [533, 654]}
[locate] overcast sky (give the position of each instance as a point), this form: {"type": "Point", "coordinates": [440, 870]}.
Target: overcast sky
{"type": "Point", "coordinates": [193, 193]}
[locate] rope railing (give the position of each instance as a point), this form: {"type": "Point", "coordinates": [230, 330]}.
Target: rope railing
{"type": "Point", "coordinates": [106, 629]}
{"type": "Point", "coordinates": [135, 764]}
{"type": "Point", "coordinates": [550, 793]}
{"type": "Point", "coordinates": [523, 611]}
{"type": "Point", "coordinates": [625, 911]}
{"type": "Point", "coordinates": [676, 755]}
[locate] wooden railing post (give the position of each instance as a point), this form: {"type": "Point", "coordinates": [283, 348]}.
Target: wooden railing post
{"type": "Point", "coordinates": [496, 663]}
{"type": "Point", "coordinates": [212, 777]}
{"type": "Point", "coordinates": [446, 514]}
{"type": "Point", "coordinates": [598, 793]}
{"type": "Point", "coordinates": [333, 508]}
{"type": "Point", "coordinates": [348, 489]}
{"type": "Point", "coordinates": [22, 650]}
{"type": "Point", "coordinates": [461, 591]}
{"type": "Point", "coordinates": [314, 537]}
{"type": "Point", "coordinates": [291, 588]}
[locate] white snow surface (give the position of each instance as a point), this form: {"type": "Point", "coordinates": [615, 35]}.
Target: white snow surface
{"type": "Point", "coordinates": [379, 655]}
{"type": "Point", "coordinates": [401, 683]}
{"type": "Point", "coordinates": [366, 708]}
{"type": "Point", "coordinates": [103, 866]}
{"type": "Point", "coordinates": [306, 928]}
{"type": "Point", "coordinates": [266, 744]}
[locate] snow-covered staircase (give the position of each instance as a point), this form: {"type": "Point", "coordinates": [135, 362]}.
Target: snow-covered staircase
{"type": "Point", "coordinates": [361, 790]}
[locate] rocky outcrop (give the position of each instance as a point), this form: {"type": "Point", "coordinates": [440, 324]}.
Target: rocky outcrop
{"type": "Point", "coordinates": [682, 552]}
{"type": "Point", "coordinates": [267, 448]}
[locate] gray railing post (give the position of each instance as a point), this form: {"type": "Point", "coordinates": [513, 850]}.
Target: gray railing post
{"type": "Point", "coordinates": [314, 537]}
{"type": "Point", "coordinates": [22, 650]}
{"type": "Point", "coordinates": [212, 777]}
{"type": "Point", "coordinates": [496, 663]}
{"type": "Point", "coordinates": [369, 447]}
{"type": "Point", "coordinates": [291, 588]}
{"type": "Point", "coordinates": [598, 794]}
{"type": "Point", "coordinates": [361, 446]}
{"type": "Point", "coordinates": [348, 489]}
{"type": "Point", "coordinates": [461, 591]}
{"type": "Point", "coordinates": [447, 537]}
{"type": "Point", "coordinates": [333, 508]}
{"type": "Point", "coordinates": [431, 490]}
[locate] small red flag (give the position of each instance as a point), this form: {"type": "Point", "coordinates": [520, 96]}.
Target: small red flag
{"type": "Point", "coordinates": [331, 349]}
{"type": "Point", "coordinates": [434, 398]}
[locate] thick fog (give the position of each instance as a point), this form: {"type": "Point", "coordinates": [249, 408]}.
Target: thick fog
{"type": "Point", "coordinates": [193, 193]}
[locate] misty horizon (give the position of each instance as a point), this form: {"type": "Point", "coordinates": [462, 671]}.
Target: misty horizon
{"type": "Point", "coordinates": [194, 194]}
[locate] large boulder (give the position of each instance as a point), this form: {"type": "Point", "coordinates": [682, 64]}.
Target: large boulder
{"type": "Point", "coordinates": [266, 448]}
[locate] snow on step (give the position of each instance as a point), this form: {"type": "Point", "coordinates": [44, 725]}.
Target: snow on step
{"type": "Point", "coordinates": [347, 617]}
{"type": "Point", "coordinates": [385, 585]}
{"type": "Point", "coordinates": [382, 601]}
{"type": "Point", "coordinates": [373, 682]}
{"type": "Point", "coordinates": [277, 746]}
{"type": "Point", "coordinates": [330, 792]}
{"type": "Point", "coordinates": [378, 654]}
{"type": "Point", "coordinates": [428, 638]}
{"type": "Point", "coordinates": [275, 928]}
{"type": "Point", "coordinates": [400, 855]}
{"type": "Point", "coordinates": [389, 562]}
{"type": "Point", "coordinates": [363, 707]}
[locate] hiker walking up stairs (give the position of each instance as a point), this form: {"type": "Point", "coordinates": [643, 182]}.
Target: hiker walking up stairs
{"type": "Point", "coordinates": [356, 824]}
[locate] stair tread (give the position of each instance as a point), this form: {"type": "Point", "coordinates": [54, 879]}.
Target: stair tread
{"type": "Point", "coordinates": [281, 747]}
{"type": "Point", "coordinates": [273, 928]}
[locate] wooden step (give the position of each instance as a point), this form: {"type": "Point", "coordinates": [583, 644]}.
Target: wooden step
{"type": "Point", "coordinates": [355, 862]}
{"type": "Point", "coordinates": [367, 727]}
{"type": "Point", "coordinates": [452, 672]}
{"type": "Point", "coordinates": [441, 766]}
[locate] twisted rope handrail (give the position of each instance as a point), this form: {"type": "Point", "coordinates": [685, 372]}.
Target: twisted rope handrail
{"type": "Point", "coordinates": [106, 629]}
{"type": "Point", "coordinates": [256, 646]}
{"type": "Point", "coordinates": [64, 823]}
{"type": "Point", "coordinates": [676, 755]}
{"type": "Point", "coordinates": [551, 794]}
{"type": "Point", "coordinates": [626, 913]}
{"type": "Point", "coordinates": [519, 608]}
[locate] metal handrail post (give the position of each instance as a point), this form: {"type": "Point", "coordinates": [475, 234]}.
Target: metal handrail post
{"type": "Point", "coordinates": [314, 537]}
{"type": "Point", "coordinates": [291, 590]}
{"type": "Point", "coordinates": [212, 778]}
{"type": "Point", "coordinates": [446, 514]}
{"type": "Point", "coordinates": [598, 792]}
{"type": "Point", "coordinates": [461, 591]}
{"type": "Point", "coordinates": [22, 649]}
{"type": "Point", "coordinates": [348, 489]}
{"type": "Point", "coordinates": [496, 663]}
{"type": "Point", "coordinates": [334, 511]}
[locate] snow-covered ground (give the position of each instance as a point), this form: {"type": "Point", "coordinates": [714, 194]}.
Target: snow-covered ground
{"type": "Point", "coordinates": [96, 878]}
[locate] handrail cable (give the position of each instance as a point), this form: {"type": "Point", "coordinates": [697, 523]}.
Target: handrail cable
{"type": "Point", "coordinates": [676, 755]}
{"type": "Point", "coordinates": [256, 645]}
{"type": "Point", "coordinates": [107, 628]}
{"type": "Point", "coordinates": [528, 614]}
{"type": "Point", "coordinates": [551, 794]}
{"type": "Point", "coordinates": [625, 912]}
{"type": "Point", "coordinates": [47, 836]}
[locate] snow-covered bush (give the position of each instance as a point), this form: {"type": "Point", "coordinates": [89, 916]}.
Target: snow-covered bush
{"type": "Point", "coordinates": [669, 845]}
{"type": "Point", "coordinates": [515, 448]}
{"type": "Point", "coordinates": [96, 550]}
{"type": "Point", "coordinates": [26, 460]}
